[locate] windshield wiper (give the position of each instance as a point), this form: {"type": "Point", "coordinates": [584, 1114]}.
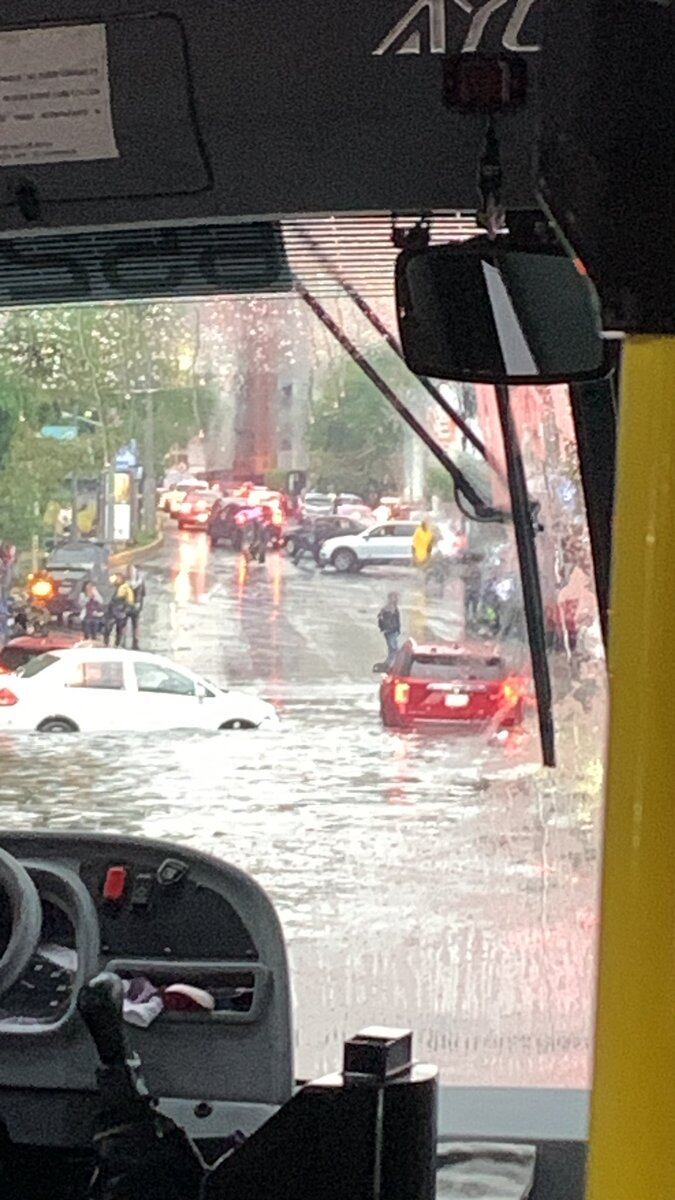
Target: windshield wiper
{"type": "Point", "coordinates": [372, 317]}
{"type": "Point", "coordinates": [483, 511]}
{"type": "Point", "coordinates": [524, 521]}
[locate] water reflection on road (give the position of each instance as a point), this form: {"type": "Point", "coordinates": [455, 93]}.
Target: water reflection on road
{"type": "Point", "coordinates": [420, 879]}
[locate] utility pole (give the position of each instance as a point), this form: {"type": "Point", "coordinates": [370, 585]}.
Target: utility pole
{"type": "Point", "coordinates": [74, 492]}
{"type": "Point", "coordinates": [149, 484]}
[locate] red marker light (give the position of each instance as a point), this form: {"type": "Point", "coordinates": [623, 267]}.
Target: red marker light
{"type": "Point", "coordinates": [7, 698]}
{"type": "Point", "coordinates": [115, 883]}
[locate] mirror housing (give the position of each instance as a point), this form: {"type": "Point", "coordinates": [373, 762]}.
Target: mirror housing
{"type": "Point", "coordinates": [499, 312]}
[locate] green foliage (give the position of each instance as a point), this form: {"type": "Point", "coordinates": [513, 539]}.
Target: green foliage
{"type": "Point", "coordinates": [355, 436]}
{"type": "Point", "coordinates": [36, 471]}
{"type": "Point", "coordinates": [100, 362]}
{"type": "Point", "coordinates": [475, 469]}
{"type": "Point", "coordinates": [276, 480]}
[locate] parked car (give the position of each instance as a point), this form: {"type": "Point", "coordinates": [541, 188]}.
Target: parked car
{"type": "Point", "coordinates": [230, 517]}
{"type": "Point", "coordinates": [95, 689]}
{"type": "Point", "coordinates": [222, 526]}
{"type": "Point", "coordinates": [195, 510]}
{"type": "Point", "coordinates": [316, 504]}
{"type": "Point", "coordinates": [175, 496]}
{"type": "Point", "coordinates": [387, 544]}
{"type": "Point", "coordinates": [322, 528]}
{"type": "Point", "coordinates": [20, 650]}
{"type": "Point", "coordinates": [447, 684]}
{"type": "Point", "coordinates": [58, 587]}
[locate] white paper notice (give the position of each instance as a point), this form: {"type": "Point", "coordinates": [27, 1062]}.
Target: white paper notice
{"type": "Point", "coordinates": [55, 96]}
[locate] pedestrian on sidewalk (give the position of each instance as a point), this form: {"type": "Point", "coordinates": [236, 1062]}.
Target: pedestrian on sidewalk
{"type": "Point", "coordinates": [389, 623]}
{"type": "Point", "coordinates": [119, 610]}
{"type": "Point", "coordinates": [92, 611]}
{"type": "Point", "coordinates": [137, 584]}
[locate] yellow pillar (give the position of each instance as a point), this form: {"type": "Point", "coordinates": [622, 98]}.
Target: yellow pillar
{"type": "Point", "coordinates": [633, 1105]}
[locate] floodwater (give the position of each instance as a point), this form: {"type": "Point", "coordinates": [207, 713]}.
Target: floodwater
{"type": "Point", "coordinates": [422, 879]}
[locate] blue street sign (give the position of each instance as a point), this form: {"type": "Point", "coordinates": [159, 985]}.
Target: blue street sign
{"type": "Point", "coordinates": [127, 457]}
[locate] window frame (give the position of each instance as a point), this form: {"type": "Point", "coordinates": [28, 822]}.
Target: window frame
{"type": "Point", "coordinates": [146, 691]}
{"type": "Point", "coordinates": [98, 662]}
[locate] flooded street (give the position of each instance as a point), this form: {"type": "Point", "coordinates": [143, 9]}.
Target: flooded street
{"type": "Point", "coordinates": [421, 879]}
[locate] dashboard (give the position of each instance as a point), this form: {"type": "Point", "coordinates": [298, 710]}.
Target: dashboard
{"type": "Point", "coordinates": [172, 922]}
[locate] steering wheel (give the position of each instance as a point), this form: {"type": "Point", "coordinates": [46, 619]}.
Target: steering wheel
{"type": "Point", "coordinates": [26, 910]}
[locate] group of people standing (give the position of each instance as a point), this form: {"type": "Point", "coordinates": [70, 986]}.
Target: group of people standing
{"type": "Point", "coordinates": [122, 611]}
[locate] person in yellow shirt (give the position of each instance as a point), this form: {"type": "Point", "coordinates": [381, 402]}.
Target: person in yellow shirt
{"type": "Point", "coordinates": [423, 544]}
{"type": "Point", "coordinates": [119, 609]}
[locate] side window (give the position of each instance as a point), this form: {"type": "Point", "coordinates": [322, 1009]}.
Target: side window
{"type": "Point", "coordinates": [383, 531]}
{"type": "Point", "coordinates": [403, 531]}
{"type": "Point", "coordinates": [151, 677]}
{"type": "Point", "coordinates": [106, 676]}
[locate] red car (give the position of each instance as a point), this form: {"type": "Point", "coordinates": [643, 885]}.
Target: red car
{"type": "Point", "coordinates": [19, 650]}
{"type": "Point", "coordinates": [446, 684]}
{"type": "Point", "coordinates": [195, 510]}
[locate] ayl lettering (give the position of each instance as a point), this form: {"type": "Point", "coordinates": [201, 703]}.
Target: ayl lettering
{"type": "Point", "coordinates": [431, 15]}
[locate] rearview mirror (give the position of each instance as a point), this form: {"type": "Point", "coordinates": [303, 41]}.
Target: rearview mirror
{"type": "Point", "coordinates": [498, 312]}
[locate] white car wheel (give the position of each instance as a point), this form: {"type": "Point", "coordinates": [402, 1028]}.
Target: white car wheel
{"type": "Point", "coordinates": [344, 561]}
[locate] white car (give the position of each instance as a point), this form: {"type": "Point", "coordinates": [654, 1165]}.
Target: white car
{"type": "Point", "coordinates": [175, 496]}
{"type": "Point", "coordinates": [94, 689]}
{"type": "Point", "coordinates": [386, 544]}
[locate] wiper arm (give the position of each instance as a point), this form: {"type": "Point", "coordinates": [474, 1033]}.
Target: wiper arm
{"type": "Point", "coordinates": [524, 524]}
{"type": "Point", "coordinates": [482, 510]}
{"type": "Point", "coordinates": [379, 325]}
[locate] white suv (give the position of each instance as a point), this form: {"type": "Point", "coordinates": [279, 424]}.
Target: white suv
{"type": "Point", "coordinates": [383, 545]}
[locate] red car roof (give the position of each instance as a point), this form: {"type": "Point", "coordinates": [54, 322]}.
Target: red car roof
{"type": "Point", "coordinates": [41, 643]}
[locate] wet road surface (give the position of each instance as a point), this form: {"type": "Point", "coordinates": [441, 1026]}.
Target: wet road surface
{"type": "Point", "coordinates": [421, 879]}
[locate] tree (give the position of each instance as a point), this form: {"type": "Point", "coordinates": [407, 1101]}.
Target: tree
{"type": "Point", "coordinates": [98, 363]}
{"type": "Point", "coordinates": [35, 471]}
{"type": "Point", "coordinates": [354, 434]}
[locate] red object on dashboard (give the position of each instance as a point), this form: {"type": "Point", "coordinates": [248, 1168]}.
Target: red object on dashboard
{"type": "Point", "coordinates": [115, 883]}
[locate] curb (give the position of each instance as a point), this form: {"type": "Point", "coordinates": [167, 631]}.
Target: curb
{"type": "Point", "coordinates": [123, 557]}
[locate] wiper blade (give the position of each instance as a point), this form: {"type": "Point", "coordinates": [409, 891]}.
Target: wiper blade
{"type": "Point", "coordinates": [379, 325]}
{"type": "Point", "coordinates": [483, 511]}
{"type": "Point", "coordinates": [524, 523]}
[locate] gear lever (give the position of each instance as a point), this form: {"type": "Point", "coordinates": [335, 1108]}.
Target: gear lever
{"type": "Point", "coordinates": [142, 1154]}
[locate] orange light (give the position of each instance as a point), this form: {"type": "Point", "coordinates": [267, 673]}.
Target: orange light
{"type": "Point", "coordinates": [580, 266]}
{"type": "Point", "coordinates": [42, 589]}
{"type": "Point", "coordinates": [277, 518]}
{"type": "Point", "coordinates": [401, 693]}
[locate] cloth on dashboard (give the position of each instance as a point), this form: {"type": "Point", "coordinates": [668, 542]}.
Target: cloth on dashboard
{"type": "Point", "coordinates": [142, 1002]}
{"type": "Point", "coordinates": [484, 1171]}
{"type": "Point", "coordinates": [184, 997]}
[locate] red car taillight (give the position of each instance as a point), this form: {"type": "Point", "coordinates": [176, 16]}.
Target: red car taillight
{"type": "Point", "coordinates": [7, 698]}
{"type": "Point", "coordinates": [401, 693]}
{"type": "Point", "coordinates": [186, 508]}
{"type": "Point", "coordinates": [277, 518]}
